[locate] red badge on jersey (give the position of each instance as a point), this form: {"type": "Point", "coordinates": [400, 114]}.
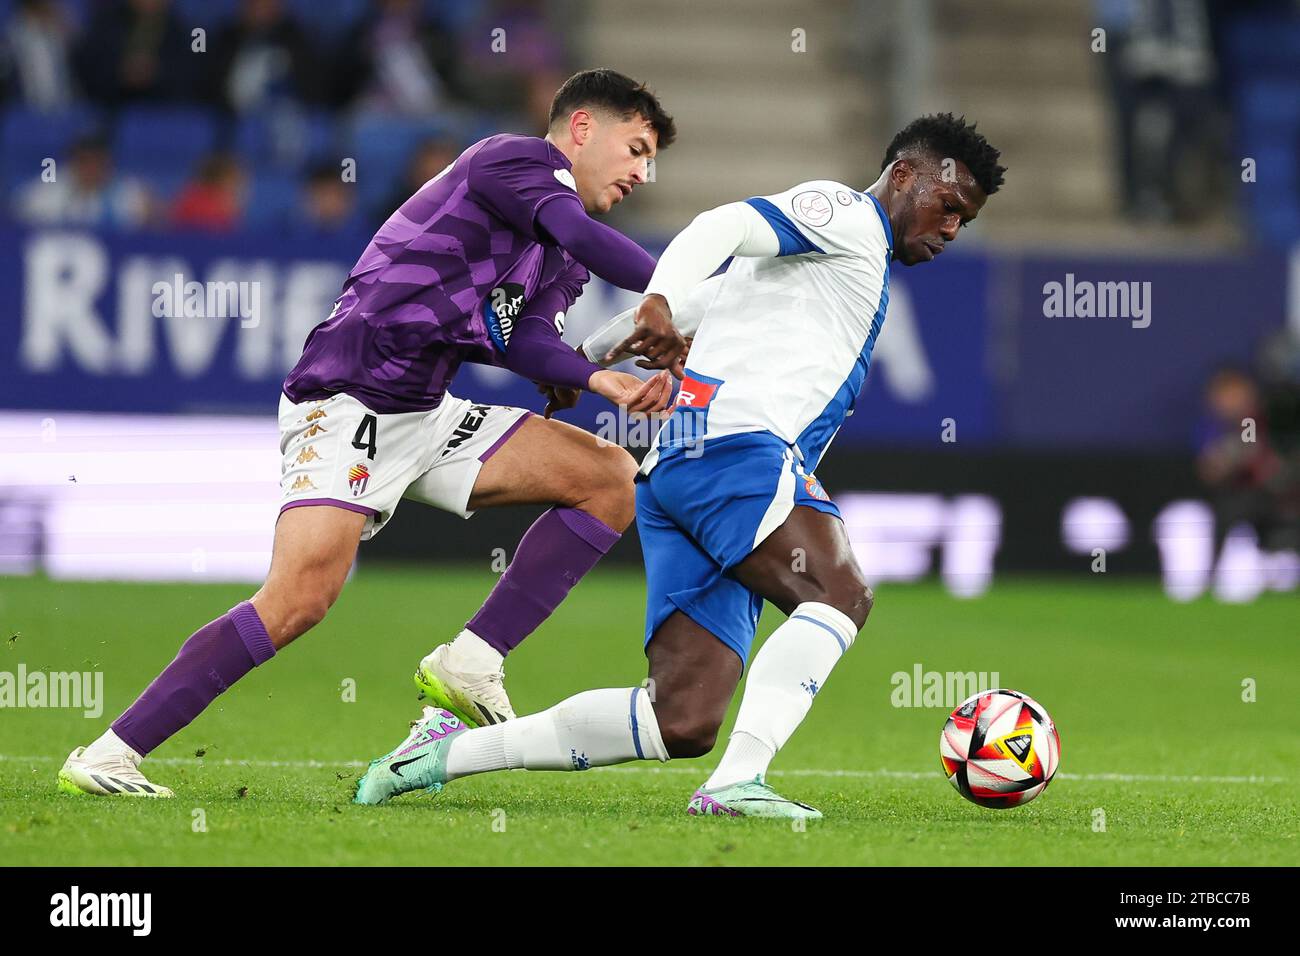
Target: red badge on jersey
{"type": "Point", "coordinates": [694, 393]}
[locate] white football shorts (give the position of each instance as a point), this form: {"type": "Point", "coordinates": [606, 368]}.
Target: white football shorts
{"type": "Point", "coordinates": [338, 452]}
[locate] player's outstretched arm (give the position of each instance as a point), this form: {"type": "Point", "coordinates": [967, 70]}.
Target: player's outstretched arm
{"type": "Point", "coordinates": [736, 229]}
{"type": "Point", "coordinates": [600, 345]}
{"type": "Point", "coordinates": [534, 350]}
{"type": "Point", "coordinates": [604, 251]}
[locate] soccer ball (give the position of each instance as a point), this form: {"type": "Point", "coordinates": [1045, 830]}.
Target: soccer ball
{"type": "Point", "coordinates": [1000, 749]}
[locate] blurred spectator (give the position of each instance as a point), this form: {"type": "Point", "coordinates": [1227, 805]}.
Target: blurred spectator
{"type": "Point", "coordinates": [329, 204]}
{"type": "Point", "coordinates": [430, 158]}
{"type": "Point", "coordinates": [403, 62]}
{"type": "Point", "coordinates": [1161, 69]}
{"type": "Point", "coordinates": [136, 50]}
{"type": "Point", "coordinates": [214, 200]}
{"type": "Point", "coordinates": [1250, 479]}
{"type": "Point", "coordinates": [36, 58]}
{"type": "Point", "coordinates": [523, 78]}
{"type": "Point", "coordinates": [263, 59]}
{"type": "Point", "coordinates": [85, 192]}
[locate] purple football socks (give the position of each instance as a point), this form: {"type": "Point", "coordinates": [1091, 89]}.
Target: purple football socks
{"type": "Point", "coordinates": [560, 547]}
{"type": "Point", "coordinates": [215, 656]}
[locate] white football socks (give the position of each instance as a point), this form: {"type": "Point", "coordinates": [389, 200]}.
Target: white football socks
{"type": "Point", "coordinates": [592, 729]}
{"type": "Point", "coordinates": [107, 746]}
{"type": "Point", "coordinates": [788, 671]}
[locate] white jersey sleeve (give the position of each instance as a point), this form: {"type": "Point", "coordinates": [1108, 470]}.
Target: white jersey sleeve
{"type": "Point", "coordinates": [822, 217]}
{"type": "Point", "coordinates": [686, 319]}
{"type": "Point", "coordinates": [715, 235]}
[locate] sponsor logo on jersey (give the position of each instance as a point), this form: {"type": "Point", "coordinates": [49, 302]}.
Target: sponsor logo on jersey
{"type": "Point", "coordinates": [501, 309]}
{"type": "Point", "coordinates": [315, 430]}
{"type": "Point", "coordinates": [306, 455]}
{"type": "Point", "coordinates": [813, 207]}
{"type": "Point", "coordinates": [358, 478]}
{"type": "Point", "coordinates": [318, 413]}
{"type": "Point", "coordinates": [302, 483]}
{"type": "Point", "coordinates": [468, 427]}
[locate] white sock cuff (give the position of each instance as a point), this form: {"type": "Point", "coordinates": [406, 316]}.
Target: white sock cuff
{"type": "Point", "coordinates": [645, 727]}
{"type": "Point", "coordinates": [474, 652]}
{"type": "Point", "coordinates": [110, 743]}
{"type": "Point", "coordinates": [839, 624]}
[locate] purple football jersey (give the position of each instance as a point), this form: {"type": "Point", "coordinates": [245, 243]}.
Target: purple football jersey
{"type": "Point", "coordinates": [443, 280]}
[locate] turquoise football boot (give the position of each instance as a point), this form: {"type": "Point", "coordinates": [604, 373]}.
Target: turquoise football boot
{"type": "Point", "coordinates": [749, 798]}
{"type": "Point", "coordinates": [418, 763]}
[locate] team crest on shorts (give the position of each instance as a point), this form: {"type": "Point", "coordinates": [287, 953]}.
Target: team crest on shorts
{"type": "Point", "coordinates": [358, 478]}
{"type": "Point", "coordinates": [814, 488]}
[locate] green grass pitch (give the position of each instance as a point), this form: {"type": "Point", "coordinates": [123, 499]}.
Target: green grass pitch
{"type": "Point", "coordinates": [1159, 745]}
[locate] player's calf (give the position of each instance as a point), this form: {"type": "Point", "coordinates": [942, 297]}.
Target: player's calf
{"type": "Point", "coordinates": [693, 677]}
{"type": "Point", "coordinates": [828, 602]}
{"type": "Point", "coordinates": [313, 551]}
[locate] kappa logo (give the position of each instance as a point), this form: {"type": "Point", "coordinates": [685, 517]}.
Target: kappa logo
{"type": "Point", "coordinates": [306, 455]}
{"type": "Point", "coordinates": [358, 478]}
{"type": "Point", "coordinates": [303, 483]}
{"type": "Point", "coordinates": [318, 413]}
{"type": "Point", "coordinates": [469, 425]}
{"type": "Point", "coordinates": [315, 430]}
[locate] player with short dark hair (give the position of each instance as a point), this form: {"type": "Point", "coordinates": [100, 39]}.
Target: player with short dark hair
{"type": "Point", "coordinates": [479, 265]}
{"type": "Point", "coordinates": [729, 509]}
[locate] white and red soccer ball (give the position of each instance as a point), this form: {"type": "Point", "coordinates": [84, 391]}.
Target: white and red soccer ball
{"type": "Point", "coordinates": [1000, 749]}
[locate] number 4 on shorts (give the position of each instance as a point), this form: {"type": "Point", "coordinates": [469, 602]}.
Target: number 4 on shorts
{"type": "Point", "coordinates": [364, 439]}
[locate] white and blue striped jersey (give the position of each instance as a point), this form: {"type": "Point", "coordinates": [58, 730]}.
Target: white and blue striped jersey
{"type": "Point", "coordinates": [784, 341]}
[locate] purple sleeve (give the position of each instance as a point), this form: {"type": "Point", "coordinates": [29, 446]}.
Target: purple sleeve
{"type": "Point", "coordinates": [514, 177]}
{"type": "Point", "coordinates": [535, 349]}
{"type": "Point", "coordinates": [605, 251]}
{"type": "Point", "coordinates": [537, 352]}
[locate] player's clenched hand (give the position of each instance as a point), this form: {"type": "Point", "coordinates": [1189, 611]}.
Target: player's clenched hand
{"type": "Point", "coordinates": [621, 388]}
{"type": "Point", "coordinates": [558, 398]}
{"type": "Point", "coordinates": [679, 366]}
{"type": "Point", "coordinates": [654, 338]}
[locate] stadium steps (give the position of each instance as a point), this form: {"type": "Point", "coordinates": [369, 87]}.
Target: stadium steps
{"type": "Point", "coordinates": [1028, 74]}
{"type": "Point", "coordinates": [753, 116]}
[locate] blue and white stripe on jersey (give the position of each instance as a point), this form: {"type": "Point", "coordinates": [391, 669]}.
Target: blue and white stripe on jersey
{"type": "Point", "coordinates": [814, 440]}
{"type": "Point", "coordinates": [793, 241]}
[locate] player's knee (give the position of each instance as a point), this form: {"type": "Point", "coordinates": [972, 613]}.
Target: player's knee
{"type": "Point", "coordinates": [853, 598]}
{"type": "Point", "coordinates": [687, 735]}
{"type": "Point", "coordinates": [609, 493]}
